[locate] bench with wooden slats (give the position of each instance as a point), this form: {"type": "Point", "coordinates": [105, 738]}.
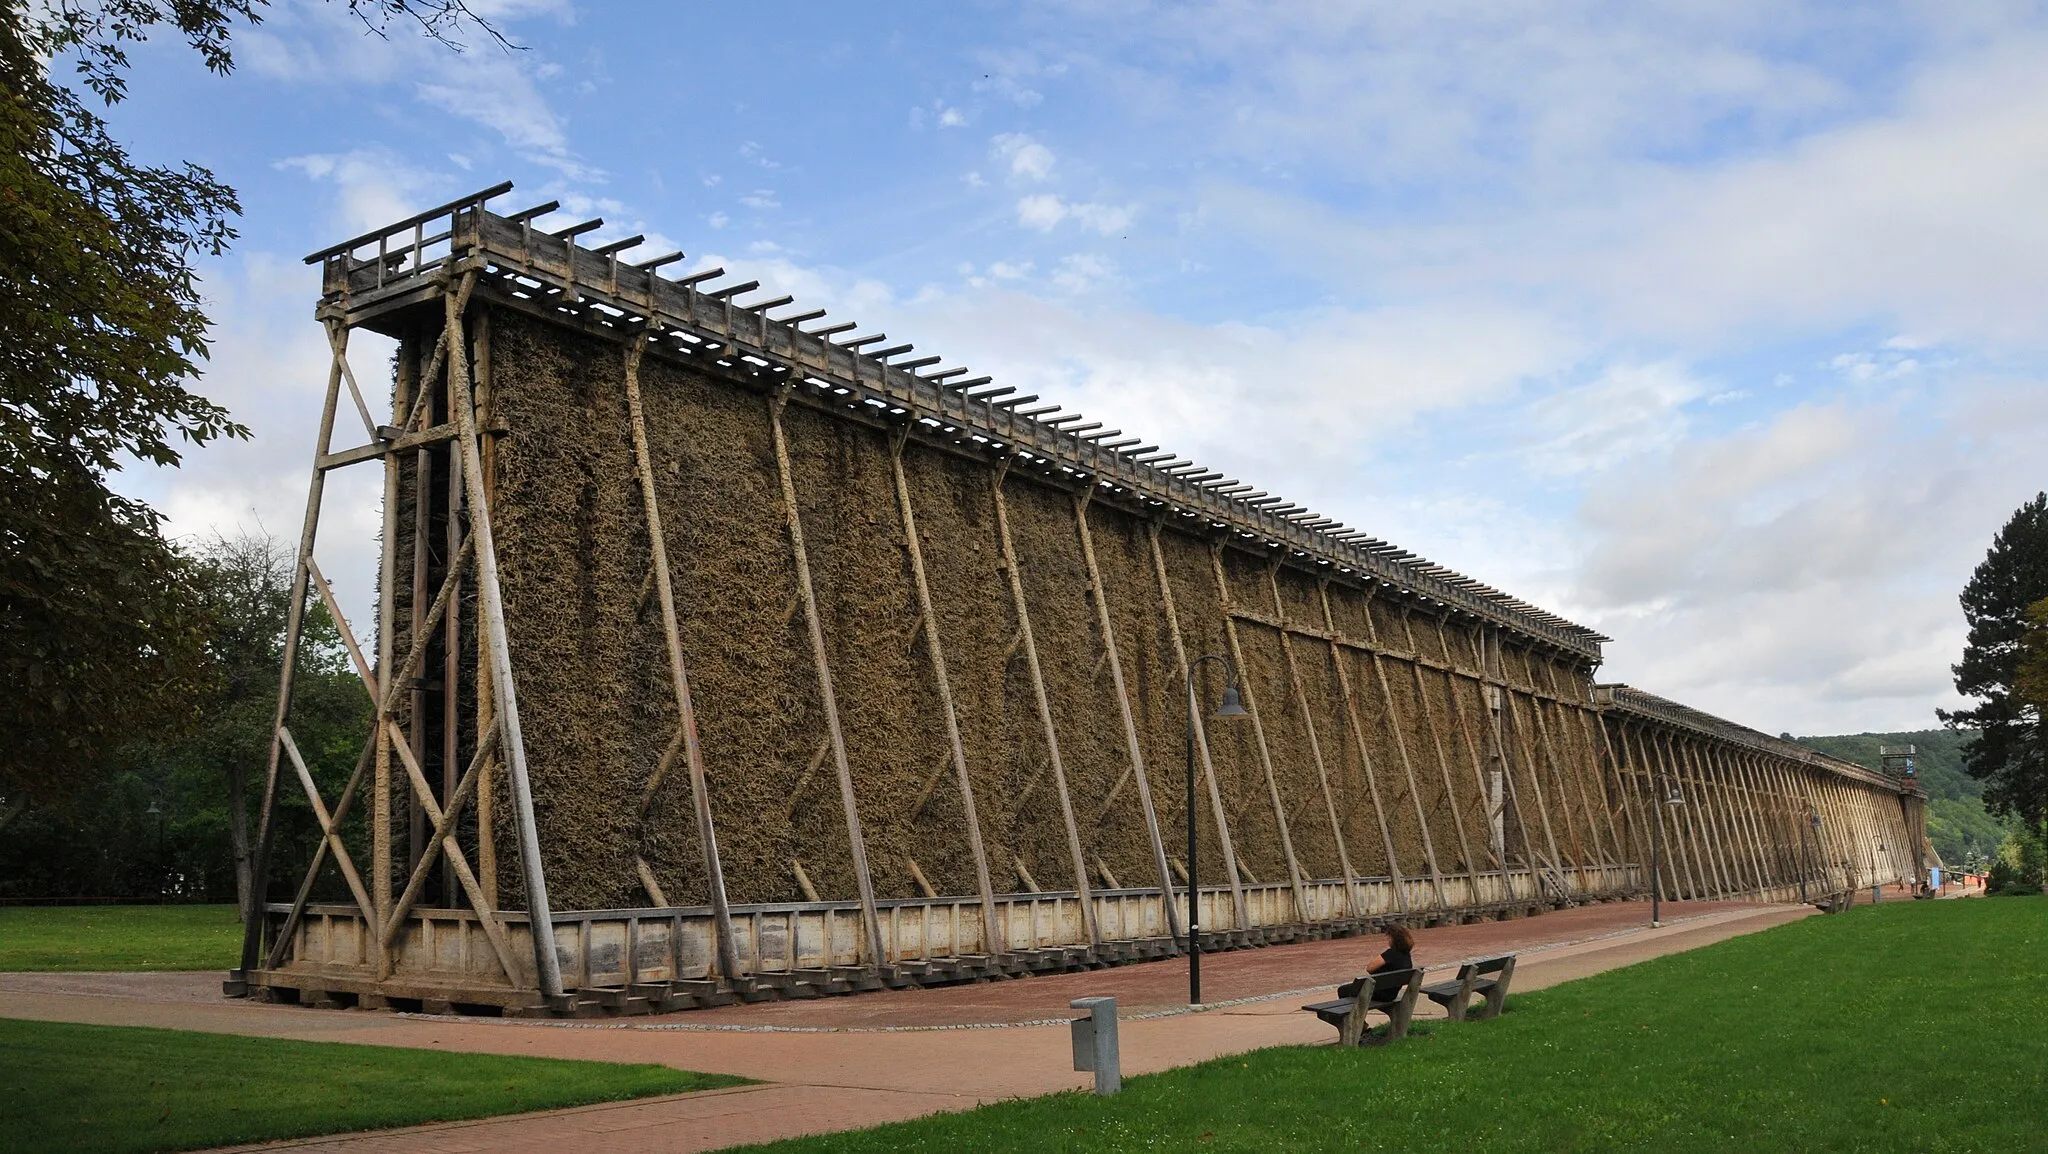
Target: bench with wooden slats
{"type": "Point", "coordinates": [1391, 993]}
{"type": "Point", "coordinates": [1487, 978]}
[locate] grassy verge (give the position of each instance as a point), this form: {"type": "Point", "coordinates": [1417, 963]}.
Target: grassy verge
{"type": "Point", "coordinates": [116, 1089]}
{"type": "Point", "coordinates": [1905, 1026]}
{"type": "Point", "coordinates": [119, 937]}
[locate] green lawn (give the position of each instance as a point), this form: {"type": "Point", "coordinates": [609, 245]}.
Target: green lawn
{"type": "Point", "coordinates": [1908, 1026]}
{"type": "Point", "coordinates": [119, 938]}
{"type": "Point", "coordinates": [120, 1088]}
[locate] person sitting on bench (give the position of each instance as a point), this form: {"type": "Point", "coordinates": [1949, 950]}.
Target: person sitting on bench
{"type": "Point", "coordinates": [1397, 956]}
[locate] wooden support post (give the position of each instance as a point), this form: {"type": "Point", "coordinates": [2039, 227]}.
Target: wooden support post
{"type": "Point", "coordinates": [1443, 759]}
{"type": "Point", "coordinates": [1745, 813]}
{"type": "Point", "coordinates": [871, 922]}
{"type": "Point", "coordinates": [1709, 820]}
{"type": "Point", "coordinates": [1535, 777]}
{"type": "Point", "coordinates": [1493, 679]}
{"type": "Point", "coordinates": [486, 714]}
{"type": "Point", "coordinates": [1557, 775]}
{"type": "Point", "coordinates": [1044, 700]}
{"type": "Point", "coordinates": [1394, 725]}
{"type": "Point", "coordinates": [259, 865]}
{"type": "Point", "coordinates": [1495, 852]}
{"type": "Point", "coordinates": [1315, 747]}
{"type": "Point", "coordinates": [726, 949]}
{"type": "Point", "coordinates": [1134, 748]}
{"type": "Point", "coordinates": [406, 387]}
{"type": "Point", "coordinates": [491, 615]}
{"type": "Point", "coordinates": [1637, 839]}
{"type": "Point", "coordinates": [1180, 657]}
{"type": "Point", "coordinates": [415, 732]}
{"type": "Point", "coordinates": [1558, 705]}
{"type": "Point", "coordinates": [1258, 732]}
{"type": "Point", "coordinates": [935, 650]}
{"type": "Point", "coordinates": [1372, 784]}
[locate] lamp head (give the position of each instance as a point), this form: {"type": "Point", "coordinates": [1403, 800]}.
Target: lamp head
{"type": "Point", "coordinates": [1232, 707]}
{"type": "Point", "coordinates": [1676, 797]}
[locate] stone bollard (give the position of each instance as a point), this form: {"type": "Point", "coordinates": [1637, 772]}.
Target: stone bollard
{"type": "Point", "coordinates": [1095, 1043]}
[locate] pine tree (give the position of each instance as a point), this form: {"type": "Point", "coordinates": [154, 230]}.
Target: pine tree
{"type": "Point", "coordinates": [2010, 750]}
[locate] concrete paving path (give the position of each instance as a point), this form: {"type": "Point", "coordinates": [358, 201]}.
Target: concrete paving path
{"type": "Point", "coordinates": [845, 1063]}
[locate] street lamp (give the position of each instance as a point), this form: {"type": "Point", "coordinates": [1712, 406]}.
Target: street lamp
{"type": "Point", "coordinates": [1231, 709]}
{"type": "Point", "coordinates": [1656, 859]}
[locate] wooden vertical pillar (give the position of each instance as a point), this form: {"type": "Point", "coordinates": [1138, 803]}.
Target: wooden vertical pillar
{"type": "Point", "coordinates": [1301, 911]}
{"type": "Point", "coordinates": [407, 384]}
{"type": "Point", "coordinates": [1436, 874]}
{"type": "Point", "coordinates": [871, 923]}
{"type": "Point", "coordinates": [1495, 851]}
{"type": "Point", "coordinates": [1134, 748]}
{"type": "Point", "coordinates": [491, 616]}
{"type": "Point", "coordinates": [1486, 651]}
{"type": "Point", "coordinates": [679, 675]}
{"type": "Point", "coordinates": [1315, 746]}
{"type": "Point", "coordinates": [1180, 656]}
{"type": "Point", "coordinates": [956, 749]}
{"type": "Point", "coordinates": [259, 865]}
{"type": "Point", "coordinates": [486, 786]}
{"type": "Point", "coordinates": [1372, 784]}
{"type": "Point", "coordinates": [1052, 738]}
{"type": "Point", "coordinates": [1443, 759]}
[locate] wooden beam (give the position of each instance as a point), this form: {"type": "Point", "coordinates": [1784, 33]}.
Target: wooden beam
{"type": "Point", "coordinates": [1134, 749]}
{"type": "Point", "coordinates": [1258, 733]}
{"type": "Point", "coordinates": [1044, 702]}
{"type": "Point", "coordinates": [1352, 898]}
{"type": "Point", "coordinates": [1180, 656]}
{"type": "Point", "coordinates": [948, 713]}
{"type": "Point", "coordinates": [491, 615]}
{"type": "Point", "coordinates": [1394, 725]}
{"type": "Point", "coordinates": [1443, 758]}
{"type": "Point", "coordinates": [1372, 784]}
{"type": "Point", "coordinates": [679, 676]}
{"type": "Point", "coordinates": [871, 923]}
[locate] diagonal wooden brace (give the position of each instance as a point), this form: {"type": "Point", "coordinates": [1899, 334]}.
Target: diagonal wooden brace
{"type": "Point", "coordinates": [443, 830]}
{"type": "Point", "coordinates": [333, 839]}
{"type": "Point", "coordinates": [425, 793]}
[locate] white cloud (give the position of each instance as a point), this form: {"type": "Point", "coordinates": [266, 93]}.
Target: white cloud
{"type": "Point", "coordinates": [1026, 157]}
{"type": "Point", "coordinates": [761, 198]}
{"type": "Point", "coordinates": [372, 186]}
{"type": "Point", "coordinates": [1044, 212]}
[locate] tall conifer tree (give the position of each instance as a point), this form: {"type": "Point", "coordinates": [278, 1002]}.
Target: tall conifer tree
{"type": "Point", "coordinates": [2010, 749]}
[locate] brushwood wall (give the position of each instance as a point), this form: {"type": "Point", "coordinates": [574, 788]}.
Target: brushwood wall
{"type": "Point", "coordinates": [1390, 736]}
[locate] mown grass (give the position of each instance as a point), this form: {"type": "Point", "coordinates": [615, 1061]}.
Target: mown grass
{"type": "Point", "coordinates": [1905, 1026]}
{"type": "Point", "coordinates": [119, 937]}
{"type": "Point", "coordinates": [122, 1089]}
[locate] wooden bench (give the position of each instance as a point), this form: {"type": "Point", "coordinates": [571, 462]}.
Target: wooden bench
{"type": "Point", "coordinates": [1391, 993]}
{"type": "Point", "coordinates": [1488, 978]}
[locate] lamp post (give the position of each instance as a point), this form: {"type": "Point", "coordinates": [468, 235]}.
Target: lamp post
{"type": "Point", "coordinates": [1656, 859]}
{"type": "Point", "coordinates": [1231, 709]}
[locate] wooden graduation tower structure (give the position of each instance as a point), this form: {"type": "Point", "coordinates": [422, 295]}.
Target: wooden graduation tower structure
{"type": "Point", "coordinates": [719, 657]}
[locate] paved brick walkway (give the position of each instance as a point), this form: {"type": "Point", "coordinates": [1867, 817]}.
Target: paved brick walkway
{"type": "Point", "coordinates": [843, 1063]}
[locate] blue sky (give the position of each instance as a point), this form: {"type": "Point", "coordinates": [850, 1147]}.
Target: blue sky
{"type": "Point", "coordinates": [1716, 327]}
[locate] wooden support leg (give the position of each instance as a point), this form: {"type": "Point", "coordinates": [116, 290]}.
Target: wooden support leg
{"type": "Point", "coordinates": [1180, 656]}
{"type": "Point", "coordinates": [1364, 754]}
{"type": "Point", "coordinates": [1134, 748]}
{"type": "Point", "coordinates": [259, 871]}
{"type": "Point", "coordinates": [1443, 760]}
{"type": "Point", "coordinates": [1258, 733]}
{"type": "Point", "coordinates": [935, 649]}
{"type": "Point", "coordinates": [1044, 701]}
{"type": "Point", "coordinates": [491, 613]}
{"type": "Point", "coordinates": [1353, 902]}
{"type": "Point", "coordinates": [1396, 727]}
{"type": "Point", "coordinates": [871, 923]}
{"type": "Point", "coordinates": [686, 711]}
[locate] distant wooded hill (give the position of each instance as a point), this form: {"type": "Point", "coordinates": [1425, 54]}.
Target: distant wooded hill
{"type": "Point", "coordinates": [1956, 820]}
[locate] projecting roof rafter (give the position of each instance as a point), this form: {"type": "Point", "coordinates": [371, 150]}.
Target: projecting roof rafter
{"type": "Point", "coordinates": [550, 274]}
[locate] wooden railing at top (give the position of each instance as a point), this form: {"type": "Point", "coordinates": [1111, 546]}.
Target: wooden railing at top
{"type": "Point", "coordinates": [1628, 698]}
{"type": "Point", "coordinates": [695, 322]}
